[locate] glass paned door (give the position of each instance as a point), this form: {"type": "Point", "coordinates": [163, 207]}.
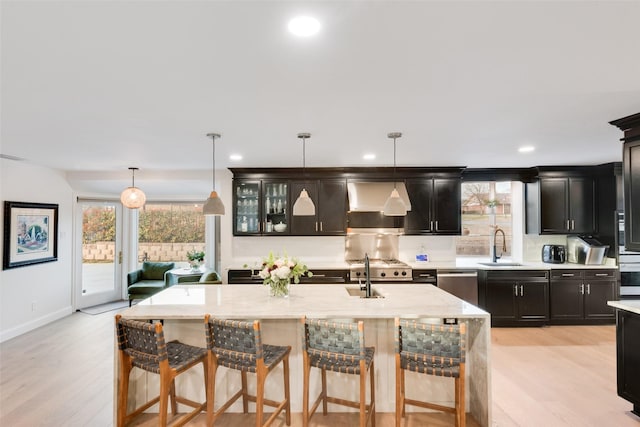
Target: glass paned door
{"type": "Point", "coordinates": [98, 275]}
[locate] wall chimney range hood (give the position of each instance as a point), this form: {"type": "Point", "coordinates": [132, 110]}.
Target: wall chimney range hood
{"type": "Point", "coordinates": [371, 196]}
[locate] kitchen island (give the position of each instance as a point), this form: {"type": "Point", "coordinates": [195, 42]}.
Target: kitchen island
{"type": "Point", "coordinates": [182, 307]}
{"type": "Point", "coordinates": [628, 351]}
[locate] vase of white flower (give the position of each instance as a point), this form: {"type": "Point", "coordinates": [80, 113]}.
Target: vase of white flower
{"type": "Point", "coordinates": [279, 272]}
{"type": "Point", "coordinates": [195, 259]}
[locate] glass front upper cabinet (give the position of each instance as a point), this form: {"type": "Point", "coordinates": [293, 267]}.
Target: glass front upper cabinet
{"type": "Point", "coordinates": [261, 207]}
{"type": "Point", "coordinates": [246, 211]}
{"type": "Point", "coordinates": [276, 208]}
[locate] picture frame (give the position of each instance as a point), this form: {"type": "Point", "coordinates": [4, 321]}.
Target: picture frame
{"type": "Point", "coordinates": [30, 234]}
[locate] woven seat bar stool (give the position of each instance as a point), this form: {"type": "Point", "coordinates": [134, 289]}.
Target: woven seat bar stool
{"type": "Point", "coordinates": [142, 345]}
{"type": "Point", "coordinates": [238, 345]}
{"type": "Point", "coordinates": [433, 350]}
{"type": "Point", "coordinates": [337, 347]}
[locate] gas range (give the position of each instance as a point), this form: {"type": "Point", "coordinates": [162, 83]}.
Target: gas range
{"type": "Point", "coordinates": [390, 270]}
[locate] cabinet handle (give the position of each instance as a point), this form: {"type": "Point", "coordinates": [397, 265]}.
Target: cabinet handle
{"type": "Point", "coordinates": [582, 288]}
{"type": "Point", "coordinates": [568, 222]}
{"type": "Point", "coordinates": [436, 226]}
{"type": "Point", "coordinates": [601, 274]}
{"type": "Point", "coordinates": [321, 226]}
{"type": "Point", "coordinates": [588, 289]}
{"type": "Point", "coordinates": [515, 288]}
{"type": "Point", "coordinates": [573, 224]}
{"type": "Point", "coordinates": [568, 274]}
{"type": "Point", "coordinates": [430, 225]}
{"type": "Point", "coordinates": [316, 225]}
{"type": "Point", "coordinates": [521, 290]}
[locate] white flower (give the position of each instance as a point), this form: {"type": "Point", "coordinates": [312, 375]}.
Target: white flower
{"type": "Point", "coordinates": [282, 272]}
{"type": "Point", "coordinates": [264, 273]}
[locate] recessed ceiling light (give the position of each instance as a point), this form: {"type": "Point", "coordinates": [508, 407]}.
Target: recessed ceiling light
{"type": "Point", "coordinates": [369, 156]}
{"type": "Point", "coordinates": [235, 157]}
{"type": "Point", "coordinates": [304, 26]}
{"type": "Point", "coordinates": [526, 149]}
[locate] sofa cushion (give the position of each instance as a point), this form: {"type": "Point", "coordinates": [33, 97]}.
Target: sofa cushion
{"type": "Point", "coordinates": [146, 287]}
{"type": "Point", "coordinates": [155, 270]}
{"type": "Point", "coordinates": [209, 276]}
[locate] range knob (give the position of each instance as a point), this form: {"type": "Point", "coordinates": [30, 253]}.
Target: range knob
{"type": "Point", "coordinates": [395, 273]}
{"type": "Point", "coordinates": [383, 274]}
{"type": "Point", "coordinates": [404, 273]}
{"type": "Point", "coordinates": [357, 273]}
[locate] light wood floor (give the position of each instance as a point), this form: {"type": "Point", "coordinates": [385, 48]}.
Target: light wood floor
{"type": "Point", "coordinates": [62, 375]}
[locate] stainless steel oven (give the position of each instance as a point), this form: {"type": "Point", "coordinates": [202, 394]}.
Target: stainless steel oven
{"type": "Point", "coordinates": [629, 265]}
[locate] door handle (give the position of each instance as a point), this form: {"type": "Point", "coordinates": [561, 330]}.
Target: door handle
{"type": "Point", "coordinates": [436, 226]}
{"type": "Point", "coordinates": [588, 289]}
{"type": "Point", "coordinates": [582, 288]}
{"type": "Point", "coordinates": [521, 290]}
{"type": "Point", "coordinates": [515, 288]}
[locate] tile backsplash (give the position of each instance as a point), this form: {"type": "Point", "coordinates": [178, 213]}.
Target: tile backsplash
{"type": "Point", "coordinates": [532, 245]}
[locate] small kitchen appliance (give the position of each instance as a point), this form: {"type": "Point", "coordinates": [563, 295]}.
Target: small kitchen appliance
{"type": "Point", "coordinates": [585, 250]}
{"type": "Point", "coordinates": [554, 254]}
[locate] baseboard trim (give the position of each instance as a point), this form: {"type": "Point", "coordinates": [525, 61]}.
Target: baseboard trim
{"type": "Point", "coordinates": [35, 323]}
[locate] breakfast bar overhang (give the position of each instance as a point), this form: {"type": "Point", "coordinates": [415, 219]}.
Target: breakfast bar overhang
{"type": "Point", "coordinates": [182, 309]}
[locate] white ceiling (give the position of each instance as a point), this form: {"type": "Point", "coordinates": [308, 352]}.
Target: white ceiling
{"type": "Point", "coordinates": [93, 87]}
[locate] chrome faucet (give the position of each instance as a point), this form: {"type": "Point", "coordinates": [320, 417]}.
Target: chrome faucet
{"type": "Point", "coordinates": [494, 257]}
{"type": "Point", "coordinates": [367, 279]}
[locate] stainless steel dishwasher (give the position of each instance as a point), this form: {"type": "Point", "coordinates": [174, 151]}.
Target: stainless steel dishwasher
{"type": "Point", "coordinates": [461, 283]}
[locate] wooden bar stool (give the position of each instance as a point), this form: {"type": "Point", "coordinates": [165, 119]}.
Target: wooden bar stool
{"type": "Point", "coordinates": [433, 350]}
{"type": "Point", "coordinates": [337, 347]}
{"type": "Point", "coordinates": [238, 345]}
{"type": "Point", "coordinates": [142, 345]}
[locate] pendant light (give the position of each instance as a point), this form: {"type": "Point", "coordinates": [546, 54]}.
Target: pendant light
{"type": "Point", "coordinates": [133, 197]}
{"type": "Point", "coordinates": [213, 205]}
{"type": "Point", "coordinates": [304, 205]}
{"type": "Point", "coordinates": [394, 205]}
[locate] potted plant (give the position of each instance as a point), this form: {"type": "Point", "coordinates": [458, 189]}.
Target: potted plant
{"type": "Point", "coordinates": [195, 259]}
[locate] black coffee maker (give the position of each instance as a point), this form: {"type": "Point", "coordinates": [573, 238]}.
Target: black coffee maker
{"type": "Point", "coordinates": [554, 254]}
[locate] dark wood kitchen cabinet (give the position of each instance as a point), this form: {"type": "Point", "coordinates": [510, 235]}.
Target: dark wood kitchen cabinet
{"type": "Point", "coordinates": [260, 207]}
{"type": "Point", "coordinates": [330, 199]}
{"type": "Point", "coordinates": [517, 298]}
{"type": "Point", "coordinates": [435, 206]}
{"type": "Point", "coordinates": [580, 296]}
{"type": "Point", "coordinates": [562, 203]}
{"type": "Point", "coordinates": [631, 178]}
{"type": "Point", "coordinates": [628, 357]}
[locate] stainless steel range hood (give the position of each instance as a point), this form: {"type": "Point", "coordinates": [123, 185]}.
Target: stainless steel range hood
{"type": "Point", "coordinates": [371, 196]}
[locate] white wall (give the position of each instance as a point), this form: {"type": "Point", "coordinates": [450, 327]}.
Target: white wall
{"type": "Point", "coordinates": [35, 295]}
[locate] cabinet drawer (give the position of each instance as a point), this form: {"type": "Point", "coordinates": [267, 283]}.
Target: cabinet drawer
{"type": "Point", "coordinates": [600, 274]}
{"type": "Point", "coordinates": [566, 274]}
{"type": "Point", "coordinates": [518, 275]}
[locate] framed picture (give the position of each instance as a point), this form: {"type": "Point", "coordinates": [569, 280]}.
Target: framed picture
{"type": "Point", "coordinates": [30, 234]}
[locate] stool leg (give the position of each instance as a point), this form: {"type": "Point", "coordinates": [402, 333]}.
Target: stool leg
{"type": "Point", "coordinates": [261, 374]}
{"type": "Point", "coordinates": [211, 388]}
{"type": "Point", "coordinates": [306, 367]}
{"type": "Point", "coordinates": [372, 407]}
{"type": "Point", "coordinates": [165, 385]}
{"type": "Point", "coordinates": [245, 402]}
{"type": "Point", "coordinates": [363, 395]}
{"type": "Point", "coordinates": [287, 408]}
{"type": "Point", "coordinates": [123, 387]}
{"type": "Point", "coordinates": [324, 391]}
{"type": "Point", "coordinates": [172, 395]}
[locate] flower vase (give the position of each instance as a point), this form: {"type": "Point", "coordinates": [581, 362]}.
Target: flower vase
{"type": "Point", "coordinates": [195, 266]}
{"type": "Point", "coordinates": [279, 288]}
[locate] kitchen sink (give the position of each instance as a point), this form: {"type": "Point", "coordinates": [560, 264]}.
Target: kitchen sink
{"type": "Point", "coordinates": [356, 292]}
{"type": "Point", "coordinates": [501, 264]}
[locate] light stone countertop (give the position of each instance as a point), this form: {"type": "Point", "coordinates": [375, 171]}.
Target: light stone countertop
{"type": "Point", "coordinates": [253, 301]}
{"type": "Point", "coordinates": [472, 263]}
{"type": "Point", "coordinates": [632, 305]}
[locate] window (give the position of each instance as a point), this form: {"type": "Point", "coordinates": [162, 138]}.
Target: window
{"type": "Point", "coordinates": [167, 231]}
{"type": "Point", "coordinates": [485, 206]}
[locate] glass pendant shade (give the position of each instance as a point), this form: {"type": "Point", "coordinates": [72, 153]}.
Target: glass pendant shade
{"type": "Point", "coordinates": [394, 205]}
{"type": "Point", "coordinates": [213, 205]}
{"type": "Point", "coordinates": [133, 197]}
{"type": "Point", "coordinates": [304, 205]}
